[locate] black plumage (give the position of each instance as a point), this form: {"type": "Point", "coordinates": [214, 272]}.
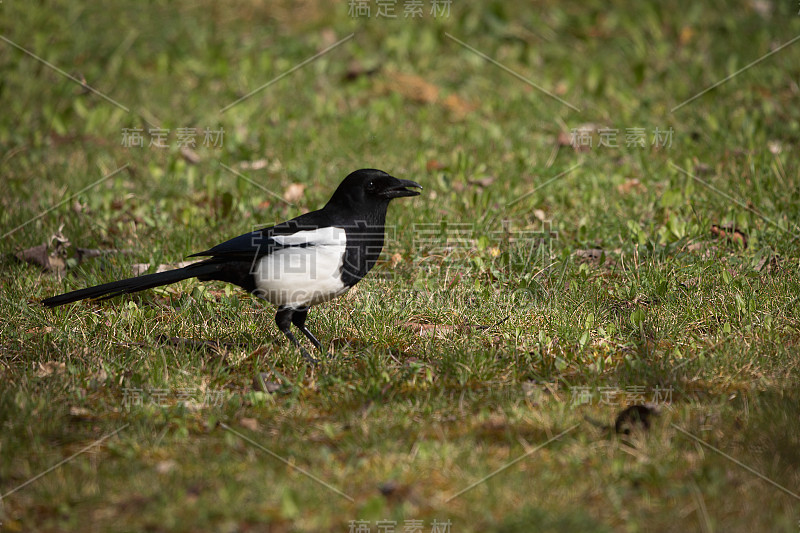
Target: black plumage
{"type": "Point", "coordinates": [296, 264]}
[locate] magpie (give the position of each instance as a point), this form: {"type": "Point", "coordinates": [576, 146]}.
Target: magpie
{"type": "Point", "coordinates": [294, 265]}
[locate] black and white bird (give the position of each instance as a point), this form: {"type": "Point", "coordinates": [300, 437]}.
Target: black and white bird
{"type": "Point", "coordinates": [296, 264]}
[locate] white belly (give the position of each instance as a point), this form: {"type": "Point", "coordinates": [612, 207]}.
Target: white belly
{"type": "Point", "coordinates": [302, 276]}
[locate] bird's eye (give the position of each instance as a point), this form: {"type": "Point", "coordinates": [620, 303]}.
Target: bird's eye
{"type": "Point", "coordinates": [370, 185]}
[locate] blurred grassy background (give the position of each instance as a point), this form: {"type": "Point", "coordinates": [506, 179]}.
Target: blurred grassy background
{"type": "Point", "coordinates": [603, 274]}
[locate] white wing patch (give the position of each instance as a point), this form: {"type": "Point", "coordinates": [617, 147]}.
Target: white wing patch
{"type": "Point", "coordinates": [331, 236]}
{"type": "Point", "coordinates": [303, 276]}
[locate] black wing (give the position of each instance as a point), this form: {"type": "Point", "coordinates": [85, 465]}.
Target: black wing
{"type": "Point", "coordinates": [256, 244]}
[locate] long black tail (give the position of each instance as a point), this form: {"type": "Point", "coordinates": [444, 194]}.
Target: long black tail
{"type": "Point", "coordinates": [140, 283]}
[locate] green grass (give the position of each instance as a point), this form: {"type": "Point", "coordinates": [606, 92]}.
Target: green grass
{"type": "Point", "coordinates": [531, 336]}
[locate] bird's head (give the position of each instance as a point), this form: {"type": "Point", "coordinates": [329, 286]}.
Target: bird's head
{"type": "Point", "coordinates": [369, 187]}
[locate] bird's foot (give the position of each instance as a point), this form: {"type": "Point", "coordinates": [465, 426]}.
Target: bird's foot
{"type": "Point", "coordinates": [308, 357]}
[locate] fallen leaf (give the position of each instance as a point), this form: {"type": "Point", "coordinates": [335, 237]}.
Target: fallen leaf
{"type": "Point", "coordinates": [36, 255]}
{"type": "Point", "coordinates": [457, 105]}
{"type": "Point", "coordinates": [730, 233]}
{"type": "Point", "coordinates": [628, 186]}
{"type": "Point", "coordinates": [414, 88]}
{"type": "Point", "coordinates": [396, 260]}
{"type": "Point", "coordinates": [249, 423]}
{"type": "Point", "coordinates": [39, 256]}
{"type": "Point", "coordinates": [294, 192]}
{"type": "Point", "coordinates": [434, 165]}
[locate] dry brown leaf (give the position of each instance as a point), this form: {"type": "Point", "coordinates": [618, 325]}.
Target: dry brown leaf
{"type": "Point", "coordinates": [396, 260]}
{"type": "Point", "coordinates": [38, 256]}
{"type": "Point", "coordinates": [629, 185]}
{"type": "Point", "coordinates": [294, 193]}
{"type": "Point", "coordinates": [434, 165]}
{"type": "Point", "coordinates": [458, 105]}
{"type": "Point", "coordinates": [414, 88]}
{"type": "Point", "coordinates": [249, 423]}
{"type": "Point", "coordinates": [730, 233]}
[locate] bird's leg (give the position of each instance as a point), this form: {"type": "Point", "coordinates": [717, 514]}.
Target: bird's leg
{"type": "Point", "coordinates": [299, 320]}
{"type": "Point", "coordinates": [283, 319]}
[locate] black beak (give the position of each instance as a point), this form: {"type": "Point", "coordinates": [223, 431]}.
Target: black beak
{"type": "Point", "coordinates": [398, 189]}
